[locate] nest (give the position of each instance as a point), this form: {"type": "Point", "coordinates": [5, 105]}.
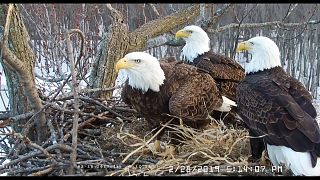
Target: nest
{"type": "Point", "coordinates": [216, 150]}
{"type": "Point", "coordinates": [114, 140]}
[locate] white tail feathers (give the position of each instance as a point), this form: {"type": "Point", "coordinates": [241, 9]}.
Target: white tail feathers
{"type": "Point", "coordinates": [226, 105]}
{"type": "Point", "coordinates": [298, 162]}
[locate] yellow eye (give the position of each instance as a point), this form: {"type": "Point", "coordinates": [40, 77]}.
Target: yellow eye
{"type": "Point", "coordinates": [251, 43]}
{"type": "Point", "coordinates": [189, 31]}
{"type": "Point", "coordinates": [137, 60]}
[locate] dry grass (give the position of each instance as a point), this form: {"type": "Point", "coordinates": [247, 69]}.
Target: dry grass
{"type": "Point", "coordinates": [212, 151]}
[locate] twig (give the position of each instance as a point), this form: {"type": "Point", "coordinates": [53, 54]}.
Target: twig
{"type": "Point", "coordinates": [238, 30]}
{"type": "Point", "coordinates": [75, 90]}
{"type": "Point", "coordinates": [58, 79]}
{"type": "Point", "coordinates": [53, 136]}
{"type": "Point", "coordinates": [35, 153]}
{"type": "Point", "coordinates": [27, 141]}
{"type": "Point", "coordinates": [144, 144]}
{"type": "Point", "coordinates": [69, 95]}
{"type": "Point", "coordinates": [208, 23]}
{"type": "Point", "coordinates": [17, 117]}
{"type": "Point", "coordinates": [81, 125]}
{"type": "Point", "coordinates": [154, 9]}
{"type": "Point", "coordinates": [46, 171]}
{"type": "Point", "coordinates": [88, 99]}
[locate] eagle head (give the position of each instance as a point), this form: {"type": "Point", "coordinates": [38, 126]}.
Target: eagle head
{"type": "Point", "coordinates": [143, 70]}
{"type": "Point", "coordinates": [265, 53]}
{"type": "Point", "coordinates": [197, 41]}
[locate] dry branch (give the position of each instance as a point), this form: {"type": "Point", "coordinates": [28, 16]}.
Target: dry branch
{"type": "Point", "coordinates": [154, 9]}
{"type": "Point", "coordinates": [75, 91]}
{"type": "Point", "coordinates": [275, 24]}
{"type": "Point", "coordinates": [138, 38]}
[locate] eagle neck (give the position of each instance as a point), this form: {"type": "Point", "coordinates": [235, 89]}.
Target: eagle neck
{"type": "Point", "coordinates": [194, 48]}
{"type": "Point", "coordinates": [145, 80]}
{"type": "Point", "coordinates": [276, 69]}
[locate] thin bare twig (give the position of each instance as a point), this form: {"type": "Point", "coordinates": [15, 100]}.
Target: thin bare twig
{"type": "Point", "coordinates": [154, 9]}
{"type": "Point", "coordinates": [75, 90]}
{"type": "Point", "coordinates": [265, 24]}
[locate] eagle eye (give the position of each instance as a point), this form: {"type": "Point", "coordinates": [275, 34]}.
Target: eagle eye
{"type": "Point", "coordinates": [137, 60]}
{"type": "Point", "coordinates": [189, 31]}
{"type": "Point", "coordinates": [251, 43]}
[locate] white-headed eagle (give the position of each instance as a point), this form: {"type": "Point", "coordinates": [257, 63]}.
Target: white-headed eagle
{"type": "Point", "coordinates": [278, 108]}
{"type": "Point", "coordinates": [158, 88]}
{"type": "Point", "coordinates": [226, 72]}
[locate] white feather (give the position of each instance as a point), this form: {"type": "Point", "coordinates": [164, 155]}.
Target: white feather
{"type": "Point", "coordinates": [196, 44]}
{"type": "Point", "coordinates": [298, 162]}
{"type": "Point", "coordinates": [147, 74]}
{"type": "Point", "coordinates": [265, 54]}
{"type": "Point", "coordinates": [226, 105]}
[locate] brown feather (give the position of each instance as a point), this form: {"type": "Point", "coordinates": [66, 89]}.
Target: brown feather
{"type": "Point", "coordinates": [186, 93]}
{"type": "Point", "coordinates": [227, 74]}
{"type": "Point", "coordinates": [274, 104]}
{"type": "Point", "coordinates": [225, 71]}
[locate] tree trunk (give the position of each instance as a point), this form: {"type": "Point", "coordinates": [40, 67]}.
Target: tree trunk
{"type": "Point", "coordinates": [21, 81]}
{"type": "Point", "coordinates": [120, 42]}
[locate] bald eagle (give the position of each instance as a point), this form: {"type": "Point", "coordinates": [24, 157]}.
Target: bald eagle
{"type": "Point", "coordinates": [278, 108]}
{"type": "Point", "coordinates": [226, 72]}
{"type": "Point", "coordinates": [156, 89]}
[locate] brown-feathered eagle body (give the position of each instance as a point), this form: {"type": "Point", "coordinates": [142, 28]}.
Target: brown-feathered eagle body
{"type": "Point", "coordinates": [278, 108]}
{"type": "Point", "coordinates": [182, 92]}
{"type": "Point", "coordinates": [226, 72]}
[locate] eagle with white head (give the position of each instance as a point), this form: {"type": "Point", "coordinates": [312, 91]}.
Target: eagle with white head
{"type": "Point", "coordinates": [158, 88]}
{"type": "Point", "coordinates": [278, 108]}
{"type": "Point", "coordinates": [226, 72]}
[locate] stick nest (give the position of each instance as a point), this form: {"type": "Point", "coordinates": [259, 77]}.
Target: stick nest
{"type": "Point", "coordinates": [114, 140]}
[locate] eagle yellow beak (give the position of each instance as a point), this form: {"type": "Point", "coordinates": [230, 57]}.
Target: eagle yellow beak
{"type": "Point", "coordinates": [182, 34]}
{"type": "Point", "coordinates": [243, 46]}
{"type": "Point", "coordinates": [123, 64]}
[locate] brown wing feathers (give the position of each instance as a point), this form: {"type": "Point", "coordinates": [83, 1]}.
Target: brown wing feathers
{"type": "Point", "coordinates": [225, 71]}
{"type": "Point", "coordinates": [275, 104]}
{"type": "Point", "coordinates": [186, 93]}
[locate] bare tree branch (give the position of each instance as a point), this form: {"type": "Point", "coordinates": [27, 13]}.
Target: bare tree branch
{"type": "Point", "coordinates": [138, 38]}
{"type": "Point", "coordinates": [290, 9]}
{"type": "Point", "coordinates": [57, 79]}
{"type": "Point", "coordinates": [276, 24]}
{"type": "Point", "coordinates": [170, 40]}
{"type": "Point", "coordinates": [210, 22]}
{"type": "Point", "coordinates": [154, 9]}
{"type": "Point", "coordinates": [238, 30]}
{"type": "Point", "coordinates": [75, 90]}
{"type": "Point", "coordinates": [117, 16]}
